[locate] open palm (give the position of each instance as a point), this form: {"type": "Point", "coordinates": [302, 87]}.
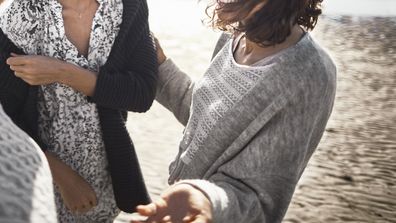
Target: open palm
{"type": "Point", "coordinates": [179, 203]}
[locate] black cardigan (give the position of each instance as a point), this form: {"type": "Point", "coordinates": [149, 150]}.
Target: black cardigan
{"type": "Point", "coordinates": [127, 82]}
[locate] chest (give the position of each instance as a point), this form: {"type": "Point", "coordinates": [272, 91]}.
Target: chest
{"type": "Point", "coordinates": [78, 26]}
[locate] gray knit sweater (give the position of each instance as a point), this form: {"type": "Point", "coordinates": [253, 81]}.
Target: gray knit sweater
{"type": "Point", "coordinates": [26, 191]}
{"type": "Point", "coordinates": [253, 156]}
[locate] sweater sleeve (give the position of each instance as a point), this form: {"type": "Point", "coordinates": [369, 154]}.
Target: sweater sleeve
{"type": "Point", "coordinates": [174, 90]}
{"type": "Point", "coordinates": [131, 89]}
{"type": "Point", "coordinates": [257, 184]}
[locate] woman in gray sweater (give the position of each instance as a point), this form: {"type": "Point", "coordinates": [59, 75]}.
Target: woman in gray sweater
{"type": "Point", "coordinates": [253, 120]}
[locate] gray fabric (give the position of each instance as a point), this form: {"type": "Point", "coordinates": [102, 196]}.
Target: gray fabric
{"type": "Point", "coordinates": [253, 158]}
{"type": "Point", "coordinates": [224, 37]}
{"type": "Point", "coordinates": [26, 192]}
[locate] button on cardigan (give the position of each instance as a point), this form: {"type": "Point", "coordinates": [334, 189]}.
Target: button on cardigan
{"type": "Point", "coordinates": [126, 82]}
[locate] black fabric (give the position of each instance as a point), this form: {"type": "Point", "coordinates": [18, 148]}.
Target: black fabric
{"type": "Point", "coordinates": [127, 82]}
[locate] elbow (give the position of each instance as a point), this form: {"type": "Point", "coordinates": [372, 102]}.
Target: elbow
{"type": "Point", "coordinates": [145, 99]}
{"type": "Point", "coordinates": [143, 106]}
{"type": "Point", "coordinates": [142, 109]}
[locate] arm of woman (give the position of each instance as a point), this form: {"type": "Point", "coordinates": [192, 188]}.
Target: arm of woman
{"type": "Point", "coordinates": [254, 184]}
{"type": "Point", "coordinates": [41, 70]}
{"type": "Point", "coordinates": [77, 194]}
{"type": "Point", "coordinates": [131, 89]}
{"type": "Point", "coordinates": [174, 88]}
{"type": "Point", "coordinates": [250, 188]}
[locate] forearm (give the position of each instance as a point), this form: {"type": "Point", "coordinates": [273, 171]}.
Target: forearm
{"type": "Point", "coordinates": [231, 203]}
{"type": "Point", "coordinates": [78, 78]}
{"type": "Point", "coordinates": [58, 168]}
{"type": "Point", "coordinates": [174, 90]}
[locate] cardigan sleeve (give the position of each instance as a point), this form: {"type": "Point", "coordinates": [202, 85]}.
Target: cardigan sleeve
{"type": "Point", "coordinates": [128, 81]}
{"type": "Point", "coordinates": [14, 94]}
{"type": "Point", "coordinates": [13, 90]}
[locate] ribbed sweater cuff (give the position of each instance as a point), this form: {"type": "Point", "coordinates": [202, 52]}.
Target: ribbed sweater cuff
{"type": "Point", "coordinates": [216, 195]}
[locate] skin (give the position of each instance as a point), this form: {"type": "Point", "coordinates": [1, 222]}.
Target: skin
{"type": "Point", "coordinates": [179, 203]}
{"type": "Point", "coordinates": [183, 202]}
{"type": "Point", "coordinates": [78, 196]}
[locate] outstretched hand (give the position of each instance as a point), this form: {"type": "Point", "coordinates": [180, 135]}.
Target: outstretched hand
{"type": "Point", "coordinates": [179, 203]}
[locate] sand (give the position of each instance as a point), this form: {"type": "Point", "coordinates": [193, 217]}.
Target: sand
{"type": "Point", "coordinates": [352, 175]}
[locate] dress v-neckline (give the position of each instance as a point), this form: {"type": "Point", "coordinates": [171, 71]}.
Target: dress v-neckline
{"type": "Point", "coordinates": [62, 31]}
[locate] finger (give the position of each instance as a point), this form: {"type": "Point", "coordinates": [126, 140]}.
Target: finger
{"type": "Point", "coordinates": [16, 55]}
{"type": "Point", "coordinates": [25, 78]}
{"type": "Point", "coordinates": [17, 68]}
{"type": "Point", "coordinates": [200, 219]}
{"type": "Point", "coordinates": [138, 219]}
{"type": "Point", "coordinates": [17, 61]}
{"type": "Point", "coordinates": [147, 210]}
{"type": "Point", "coordinates": [21, 75]}
{"type": "Point", "coordinates": [188, 218]}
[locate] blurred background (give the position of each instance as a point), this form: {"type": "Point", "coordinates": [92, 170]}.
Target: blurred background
{"type": "Point", "coordinates": [352, 175]}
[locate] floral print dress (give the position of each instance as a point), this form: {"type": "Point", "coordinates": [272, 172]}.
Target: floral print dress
{"type": "Point", "coordinates": [68, 122]}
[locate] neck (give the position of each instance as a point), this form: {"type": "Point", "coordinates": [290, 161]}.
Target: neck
{"type": "Point", "coordinates": [293, 38]}
{"type": "Point", "coordinates": [249, 52]}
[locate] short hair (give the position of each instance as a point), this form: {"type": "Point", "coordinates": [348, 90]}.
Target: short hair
{"type": "Point", "coordinates": [271, 24]}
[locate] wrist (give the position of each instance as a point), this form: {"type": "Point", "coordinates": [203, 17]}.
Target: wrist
{"type": "Point", "coordinates": [64, 72]}
{"type": "Point", "coordinates": [59, 170]}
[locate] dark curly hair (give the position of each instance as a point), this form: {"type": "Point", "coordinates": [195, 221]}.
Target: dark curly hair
{"type": "Point", "coordinates": [271, 24]}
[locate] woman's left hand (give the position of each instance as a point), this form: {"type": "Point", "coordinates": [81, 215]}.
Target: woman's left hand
{"type": "Point", "coordinates": [36, 70]}
{"type": "Point", "coordinates": [179, 203]}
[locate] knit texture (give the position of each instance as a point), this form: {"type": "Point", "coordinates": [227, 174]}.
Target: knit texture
{"type": "Point", "coordinates": [250, 160]}
{"type": "Point", "coordinates": [127, 81]}
{"type": "Point", "coordinates": [224, 84]}
{"type": "Point", "coordinates": [26, 193]}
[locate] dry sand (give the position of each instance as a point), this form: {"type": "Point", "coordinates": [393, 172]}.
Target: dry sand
{"type": "Point", "coordinates": [352, 176]}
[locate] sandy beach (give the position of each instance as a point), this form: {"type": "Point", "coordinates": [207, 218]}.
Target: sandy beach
{"type": "Point", "coordinates": [352, 175]}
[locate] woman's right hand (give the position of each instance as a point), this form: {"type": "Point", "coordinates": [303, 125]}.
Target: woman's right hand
{"type": "Point", "coordinates": [78, 196]}
{"type": "Point", "coordinates": [160, 53]}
